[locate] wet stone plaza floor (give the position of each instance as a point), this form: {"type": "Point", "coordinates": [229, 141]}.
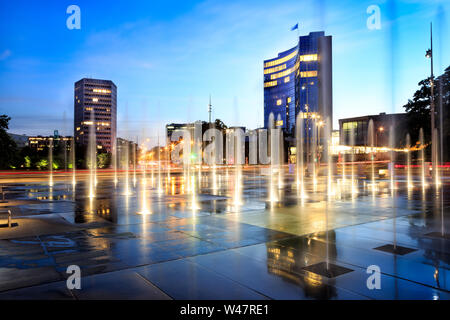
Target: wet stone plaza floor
{"type": "Point", "coordinates": [241, 237]}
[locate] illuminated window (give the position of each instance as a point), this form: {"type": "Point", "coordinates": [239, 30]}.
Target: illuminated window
{"type": "Point", "coordinates": [350, 125]}
{"type": "Point", "coordinates": [309, 115]}
{"type": "Point", "coordinates": [275, 69]}
{"type": "Point", "coordinates": [308, 74]}
{"type": "Point", "coordinates": [289, 99]}
{"type": "Point", "coordinates": [281, 60]}
{"type": "Point", "coordinates": [279, 123]}
{"type": "Point", "coordinates": [268, 84]}
{"type": "Point", "coordinates": [78, 128]}
{"type": "Point", "coordinates": [95, 99]}
{"type": "Point", "coordinates": [283, 73]}
{"type": "Point", "coordinates": [101, 90]}
{"type": "Point", "coordinates": [279, 102]}
{"type": "Point", "coordinates": [308, 57]}
{"type": "Point", "coordinates": [286, 79]}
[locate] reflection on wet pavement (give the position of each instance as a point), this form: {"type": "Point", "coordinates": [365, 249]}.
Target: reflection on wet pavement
{"type": "Point", "coordinates": [177, 246]}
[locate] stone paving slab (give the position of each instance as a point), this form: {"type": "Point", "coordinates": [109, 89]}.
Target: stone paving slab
{"type": "Point", "coordinates": [254, 250]}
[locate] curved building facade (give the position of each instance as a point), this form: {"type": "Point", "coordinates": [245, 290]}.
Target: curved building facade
{"type": "Point", "coordinates": [299, 80]}
{"type": "Point", "coordinates": [279, 88]}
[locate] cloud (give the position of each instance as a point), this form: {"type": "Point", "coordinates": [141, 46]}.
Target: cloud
{"type": "Point", "coordinates": [215, 48]}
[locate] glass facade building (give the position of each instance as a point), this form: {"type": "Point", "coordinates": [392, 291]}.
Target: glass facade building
{"type": "Point", "coordinates": [279, 88]}
{"type": "Point", "coordinates": [299, 80]}
{"type": "Point", "coordinates": [382, 123]}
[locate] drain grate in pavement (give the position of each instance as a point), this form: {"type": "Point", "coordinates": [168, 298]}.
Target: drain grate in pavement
{"type": "Point", "coordinates": [399, 250]}
{"type": "Point", "coordinates": [332, 271]}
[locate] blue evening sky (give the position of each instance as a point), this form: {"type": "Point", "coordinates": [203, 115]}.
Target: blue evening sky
{"type": "Point", "coordinates": [166, 57]}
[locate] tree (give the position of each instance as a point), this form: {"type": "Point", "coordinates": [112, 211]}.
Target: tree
{"type": "Point", "coordinates": [220, 125]}
{"type": "Point", "coordinates": [29, 157]}
{"type": "Point", "coordinates": [103, 160]}
{"type": "Point", "coordinates": [42, 164]}
{"type": "Point", "coordinates": [8, 148]}
{"type": "Point", "coordinates": [419, 114]}
{"type": "Point", "coordinates": [27, 162]}
{"type": "Point", "coordinates": [443, 96]}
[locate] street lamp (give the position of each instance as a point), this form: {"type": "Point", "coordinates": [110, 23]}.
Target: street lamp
{"type": "Point", "coordinates": [429, 54]}
{"type": "Point", "coordinates": [380, 130]}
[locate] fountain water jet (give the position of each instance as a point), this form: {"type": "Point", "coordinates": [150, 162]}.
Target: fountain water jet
{"type": "Point", "coordinates": [127, 191]}
{"type": "Point", "coordinates": [314, 154]}
{"type": "Point", "coordinates": [300, 156]}
{"type": "Point", "coordinates": [50, 162]}
{"type": "Point", "coordinates": [199, 173]}
{"type": "Point", "coordinates": [327, 148]}
{"type": "Point", "coordinates": [392, 157]}
{"type": "Point", "coordinates": [92, 156]}
{"type": "Point", "coordinates": [73, 160]}
{"type": "Point", "coordinates": [437, 180]}
{"type": "Point", "coordinates": [144, 205]}
{"type": "Point", "coordinates": [408, 161]}
{"type": "Point", "coordinates": [114, 156]}
{"type": "Point", "coordinates": [392, 173]}
{"type": "Point", "coordinates": [237, 201]}
{"type": "Point", "coordinates": [343, 169]}
{"type": "Point", "coordinates": [280, 157]}
{"type": "Point", "coordinates": [152, 171]}
{"type": "Point", "coordinates": [422, 160]}
{"type": "Point", "coordinates": [329, 194]}
{"type": "Point", "coordinates": [273, 155]}
{"type": "Point", "coordinates": [160, 190]}
{"type": "Point", "coordinates": [134, 165]}
{"type": "Point", "coordinates": [168, 163]}
{"type": "Point", "coordinates": [354, 183]}
{"type": "Point", "coordinates": [371, 130]}
{"type": "Point", "coordinates": [194, 204]}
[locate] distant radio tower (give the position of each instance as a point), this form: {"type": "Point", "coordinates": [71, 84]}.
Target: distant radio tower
{"type": "Point", "coordinates": [209, 108]}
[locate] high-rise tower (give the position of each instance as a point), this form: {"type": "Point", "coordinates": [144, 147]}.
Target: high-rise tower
{"type": "Point", "coordinates": [95, 105]}
{"type": "Point", "coordinates": [299, 80]}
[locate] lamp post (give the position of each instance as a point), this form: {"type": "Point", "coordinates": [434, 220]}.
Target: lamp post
{"type": "Point", "coordinates": [429, 54]}
{"type": "Point", "coordinates": [380, 130]}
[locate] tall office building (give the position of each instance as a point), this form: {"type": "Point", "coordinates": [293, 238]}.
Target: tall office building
{"type": "Point", "coordinates": [279, 88]}
{"type": "Point", "coordinates": [96, 105]}
{"type": "Point", "coordinates": [299, 80]}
